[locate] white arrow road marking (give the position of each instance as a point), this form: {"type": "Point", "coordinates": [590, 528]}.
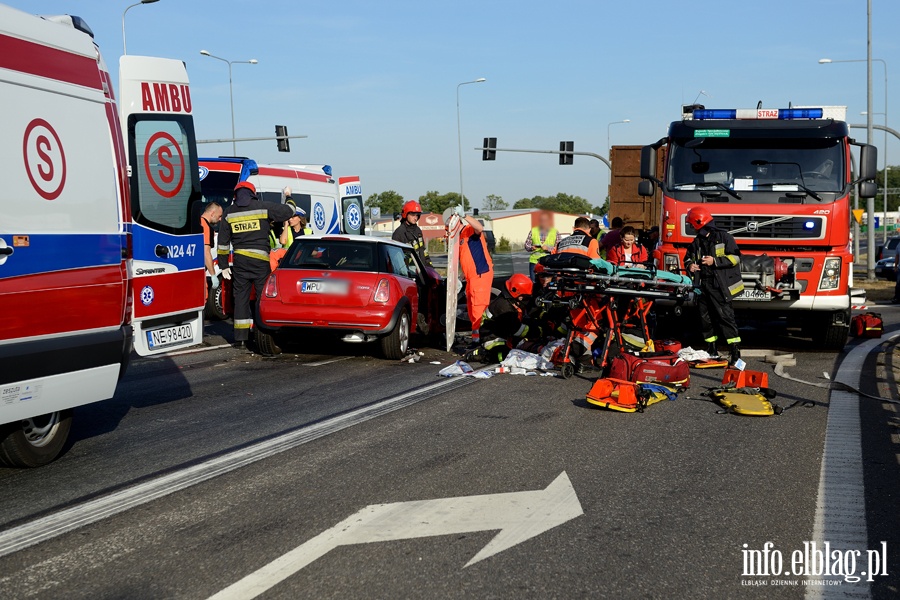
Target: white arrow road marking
{"type": "Point", "coordinates": [519, 516]}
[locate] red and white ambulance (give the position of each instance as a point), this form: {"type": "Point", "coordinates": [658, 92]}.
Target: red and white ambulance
{"type": "Point", "coordinates": [70, 238]}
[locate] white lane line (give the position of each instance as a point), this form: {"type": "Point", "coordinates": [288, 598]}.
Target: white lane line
{"type": "Point", "coordinates": [194, 350]}
{"type": "Point", "coordinates": [841, 504]}
{"type": "Point", "coordinates": [319, 363]}
{"type": "Point", "coordinates": [91, 511]}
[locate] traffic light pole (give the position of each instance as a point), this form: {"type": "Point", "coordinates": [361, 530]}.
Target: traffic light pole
{"type": "Point", "coordinates": [597, 156]}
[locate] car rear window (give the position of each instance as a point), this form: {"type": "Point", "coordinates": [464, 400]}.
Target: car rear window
{"type": "Point", "coordinates": [333, 255]}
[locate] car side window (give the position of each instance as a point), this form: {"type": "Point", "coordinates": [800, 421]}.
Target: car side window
{"type": "Point", "coordinates": [396, 262]}
{"type": "Point", "coordinates": [411, 265]}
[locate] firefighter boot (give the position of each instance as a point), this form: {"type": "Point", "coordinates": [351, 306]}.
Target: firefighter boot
{"type": "Point", "coordinates": [735, 354]}
{"type": "Point", "coordinates": [712, 350]}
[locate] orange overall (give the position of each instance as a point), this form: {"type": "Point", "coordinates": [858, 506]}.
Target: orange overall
{"type": "Point", "coordinates": [478, 269]}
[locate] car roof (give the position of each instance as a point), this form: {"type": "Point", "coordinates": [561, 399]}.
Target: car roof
{"type": "Point", "coordinates": [353, 238]}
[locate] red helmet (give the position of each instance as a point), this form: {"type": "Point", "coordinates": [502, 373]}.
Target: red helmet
{"type": "Point", "coordinates": [699, 217]}
{"type": "Point", "coordinates": [519, 285]}
{"type": "Point", "coordinates": [246, 184]}
{"type": "Point", "coordinates": [538, 269]}
{"type": "Point", "coordinates": [411, 206]}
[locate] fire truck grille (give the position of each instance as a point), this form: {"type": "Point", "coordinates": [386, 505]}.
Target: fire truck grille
{"type": "Point", "coordinates": [759, 227]}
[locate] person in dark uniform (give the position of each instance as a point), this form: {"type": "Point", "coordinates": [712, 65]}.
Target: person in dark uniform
{"type": "Point", "coordinates": [245, 226]}
{"type": "Point", "coordinates": [506, 321]}
{"type": "Point", "coordinates": [409, 232]}
{"type": "Point", "coordinates": [715, 258]}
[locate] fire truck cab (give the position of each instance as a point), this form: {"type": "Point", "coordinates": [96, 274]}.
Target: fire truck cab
{"type": "Point", "coordinates": [779, 181]}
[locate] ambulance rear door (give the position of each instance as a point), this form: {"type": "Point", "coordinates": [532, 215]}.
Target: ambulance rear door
{"type": "Point", "coordinates": [353, 221]}
{"type": "Point", "coordinates": [168, 272]}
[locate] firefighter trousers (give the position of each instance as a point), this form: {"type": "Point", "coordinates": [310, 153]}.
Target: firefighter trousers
{"type": "Point", "coordinates": [247, 273]}
{"type": "Point", "coordinates": [717, 312]}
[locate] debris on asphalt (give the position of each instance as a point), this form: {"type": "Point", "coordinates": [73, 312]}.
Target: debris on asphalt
{"type": "Point", "coordinates": [460, 367]}
{"type": "Point", "coordinates": [525, 361]}
{"type": "Point", "coordinates": [435, 362]}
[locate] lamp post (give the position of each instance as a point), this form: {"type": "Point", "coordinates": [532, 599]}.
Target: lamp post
{"type": "Point", "coordinates": [124, 46]}
{"type": "Point", "coordinates": [252, 61]}
{"type": "Point", "coordinates": [462, 198]}
{"type": "Point", "coordinates": [886, 167]}
{"type": "Point", "coordinates": [868, 113]}
{"type": "Point", "coordinates": [608, 125]}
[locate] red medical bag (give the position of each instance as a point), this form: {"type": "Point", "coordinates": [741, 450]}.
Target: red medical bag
{"type": "Point", "coordinates": [656, 367]}
{"type": "Point", "coordinates": [867, 325]}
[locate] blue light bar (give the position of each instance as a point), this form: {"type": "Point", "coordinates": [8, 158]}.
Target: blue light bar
{"type": "Point", "coordinates": [327, 170]}
{"type": "Point", "coordinates": [781, 114]}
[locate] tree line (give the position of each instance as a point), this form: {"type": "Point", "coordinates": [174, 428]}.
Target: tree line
{"type": "Point", "coordinates": [390, 202]}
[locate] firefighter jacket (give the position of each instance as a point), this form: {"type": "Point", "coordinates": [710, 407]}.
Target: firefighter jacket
{"type": "Point", "coordinates": [580, 242]}
{"type": "Point", "coordinates": [245, 227]}
{"type": "Point", "coordinates": [726, 271]}
{"type": "Point", "coordinates": [412, 235]}
{"type": "Point", "coordinates": [505, 319]}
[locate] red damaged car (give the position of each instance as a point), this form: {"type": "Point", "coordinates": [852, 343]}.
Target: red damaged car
{"type": "Point", "coordinates": [363, 288]}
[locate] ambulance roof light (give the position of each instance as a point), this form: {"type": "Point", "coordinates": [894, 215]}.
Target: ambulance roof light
{"type": "Point", "coordinates": [326, 169]}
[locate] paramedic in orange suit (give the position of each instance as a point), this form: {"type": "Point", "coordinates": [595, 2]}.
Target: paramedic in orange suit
{"type": "Point", "coordinates": [581, 242]}
{"type": "Point", "coordinates": [211, 216]}
{"type": "Point", "coordinates": [477, 267]}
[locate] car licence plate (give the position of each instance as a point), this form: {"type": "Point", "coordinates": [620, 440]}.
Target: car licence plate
{"type": "Point", "coordinates": [324, 287]}
{"type": "Point", "coordinates": [170, 336]}
{"type": "Point", "coordinates": [754, 296]}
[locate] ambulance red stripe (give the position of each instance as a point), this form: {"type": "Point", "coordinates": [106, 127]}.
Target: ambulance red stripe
{"type": "Point", "coordinates": [272, 172]}
{"type": "Point", "coordinates": [36, 59]}
{"type": "Point", "coordinates": [222, 167]}
{"type": "Point", "coordinates": [351, 179]}
{"type": "Point", "coordinates": [62, 301]}
{"type": "Point", "coordinates": [172, 292]}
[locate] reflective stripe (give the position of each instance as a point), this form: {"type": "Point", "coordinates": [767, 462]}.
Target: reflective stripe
{"type": "Point", "coordinates": [720, 249]}
{"type": "Point", "coordinates": [247, 215]}
{"type": "Point", "coordinates": [522, 331]}
{"type": "Point", "coordinates": [736, 340]}
{"type": "Point", "coordinates": [711, 339]}
{"type": "Point", "coordinates": [494, 343]}
{"type": "Point", "coordinates": [253, 253]}
{"type": "Point", "coordinates": [243, 323]}
{"type": "Point", "coordinates": [732, 259]}
{"type": "Point", "coordinates": [223, 252]}
{"type": "Point", "coordinates": [224, 248]}
{"type": "Point", "coordinates": [736, 288]}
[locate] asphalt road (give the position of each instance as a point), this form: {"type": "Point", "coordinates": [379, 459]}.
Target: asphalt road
{"type": "Point", "coordinates": [271, 453]}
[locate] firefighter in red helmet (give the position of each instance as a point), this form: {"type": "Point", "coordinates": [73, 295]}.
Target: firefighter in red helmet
{"type": "Point", "coordinates": [409, 232]}
{"type": "Point", "coordinates": [506, 321]}
{"type": "Point", "coordinates": [245, 228]}
{"type": "Point", "coordinates": [715, 259]}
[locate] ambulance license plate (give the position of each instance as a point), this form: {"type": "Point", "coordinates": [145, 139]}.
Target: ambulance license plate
{"type": "Point", "coordinates": [170, 336]}
{"type": "Point", "coordinates": [754, 296]}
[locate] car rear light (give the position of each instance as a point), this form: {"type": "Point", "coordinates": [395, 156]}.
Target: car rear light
{"type": "Point", "coordinates": [383, 291]}
{"type": "Point", "coordinates": [271, 289]}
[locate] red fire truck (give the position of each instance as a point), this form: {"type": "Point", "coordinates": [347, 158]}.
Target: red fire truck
{"type": "Point", "coordinates": [779, 180]}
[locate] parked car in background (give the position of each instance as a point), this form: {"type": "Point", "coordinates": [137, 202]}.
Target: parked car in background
{"type": "Point", "coordinates": [889, 249]}
{"type": "Point", "coordinates": [361, 288]}
{"type": "Point", "coordinates": [885, 268]}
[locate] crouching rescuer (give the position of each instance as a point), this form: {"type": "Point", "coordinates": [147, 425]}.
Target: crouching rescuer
{"type": "Point", "coordinates": [505, 322]}
{"type": "Point", "coordinates": [715, 259]}
{"type": "Point", "coordinates": [245, 227]}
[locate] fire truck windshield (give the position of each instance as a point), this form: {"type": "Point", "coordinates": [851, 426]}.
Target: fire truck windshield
{"type": "Point", "coordinates": [768, 166]}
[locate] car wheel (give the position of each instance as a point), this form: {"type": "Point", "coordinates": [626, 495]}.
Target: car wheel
{"type": "Point", "coordinates": [215, 304]}
{"type": "Point", "coordinates": [266, 343]}
{"type": "Point", "coordinates": [395, 344]}
{"type": "Point", "coordinates": [36, 441]}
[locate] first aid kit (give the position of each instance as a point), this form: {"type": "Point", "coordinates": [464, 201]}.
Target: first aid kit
{"type": "Point", "coordinates": [657, 367]}
{"type": "Point", "coordinates": [867, 325]}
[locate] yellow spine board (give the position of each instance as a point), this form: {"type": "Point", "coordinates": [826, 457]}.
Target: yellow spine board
{"type": "Point", "coordinates": [753, 405]}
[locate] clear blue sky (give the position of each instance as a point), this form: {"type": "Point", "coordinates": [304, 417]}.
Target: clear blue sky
{"type": "Point", "coordinates": [373, 83]}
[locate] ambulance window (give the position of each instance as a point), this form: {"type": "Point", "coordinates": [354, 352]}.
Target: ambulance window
{"type": "Point", "coordinates": [165, 176]}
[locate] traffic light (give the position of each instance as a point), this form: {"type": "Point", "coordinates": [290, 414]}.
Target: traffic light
{"type": "Point", "coordinates": [565, 157]}
{"type": "Point", "coordinates": [489, 152]}
{"type": "Point", "coordinates": [284, 144]}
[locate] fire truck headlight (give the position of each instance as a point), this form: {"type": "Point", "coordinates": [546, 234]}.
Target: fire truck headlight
{"type": "Point", "coordinates": [831, 274]}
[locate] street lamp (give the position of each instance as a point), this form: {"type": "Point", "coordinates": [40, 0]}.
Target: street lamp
{"type": "Point", "coordinates": [886, 167]}
{"type": "Point", "coordinates": [869, 114]}
{"type": "Point", "coordinates": [124, 47]}
{"type": "Point", "coordinates": [462, 198]}
{"type": "Point", "coordinates": [252, 61]}
{"type": "Point", "coordinates": [608, 125]}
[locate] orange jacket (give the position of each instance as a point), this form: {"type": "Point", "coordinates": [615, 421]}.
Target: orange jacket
{"type": "Point", "coordinates": [580, 242]}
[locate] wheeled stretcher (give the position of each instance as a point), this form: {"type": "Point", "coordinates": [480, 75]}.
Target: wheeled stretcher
{"type": "Point", "coordinates": [604, 299]}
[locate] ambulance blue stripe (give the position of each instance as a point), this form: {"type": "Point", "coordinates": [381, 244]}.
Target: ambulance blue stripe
{"type": "Point", "coordinates": [185, 251]}
{"type": "Point", "coordinates": [46, 253]}
{"type": "Point", "coordinates": [334, 227]}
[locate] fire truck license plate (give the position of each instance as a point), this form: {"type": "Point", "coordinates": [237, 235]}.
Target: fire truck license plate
{"type": "Point", "coordinates": [169, 336]}
{"type": "Point", "coordinates": [754, 296]}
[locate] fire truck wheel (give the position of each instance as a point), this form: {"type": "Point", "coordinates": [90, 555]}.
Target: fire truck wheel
{"type": "Point", "coordinates": [266, 344]}
{"type": "Point", "coordinates": [215, 305]}
{"type": "Point", "coordinates": [831, 336]}
{"type": "Point", "coordinates": [394, 344]}
{"type": "Point", "coordinates": [36, 441]}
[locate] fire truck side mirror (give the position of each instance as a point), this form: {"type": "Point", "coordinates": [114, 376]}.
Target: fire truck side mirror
{"type": "Point", "coordinates": [646, 188]}
{"type": "Point", "coordinates": [868, 164]}
{"type": "Point", "coordinates": [868, 189]}
{"type": "Point", "coordinates": [648, 162]}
